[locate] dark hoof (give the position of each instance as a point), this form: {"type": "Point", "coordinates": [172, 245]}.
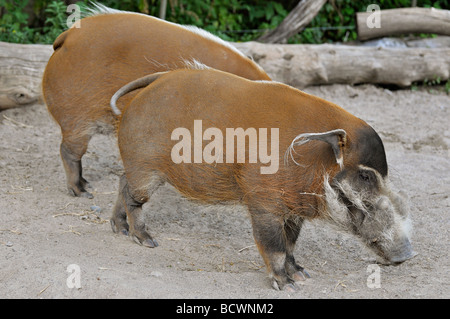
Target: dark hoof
{"type": "Point", "coordinates": [150, 243]}
{"type": "Point", "coordinates": [306, 274]}
{"type": "Point", "coordinates": [123, 229]}
{"type": "Point", "coordinates": [86, 195]}
{"type": "Point", "coordinates": [145, 240]}
{"type": "Point", "coordinates": [299, 276]}
{"type": "Point", "coordinates": [289, 287]}
{"type": "Point", "coordinates": [80, 193]}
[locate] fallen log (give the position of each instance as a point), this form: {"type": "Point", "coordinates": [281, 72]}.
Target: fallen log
{"type": "Point", "coordinates": [431, 43]}
{"type": "Point", "coordinates": [304, 65]}
{"type": "Point", "coordinates": [21, 69]}
{"type": "Point", "coordinates": [402, 21]}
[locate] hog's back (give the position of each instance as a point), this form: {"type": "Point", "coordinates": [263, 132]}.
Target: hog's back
{"type": "Point", "coordinates": [92, 62]}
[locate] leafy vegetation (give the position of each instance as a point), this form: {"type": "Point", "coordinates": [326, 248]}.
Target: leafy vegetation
{"type": "Point", "coordinates": [431, 85]}
{"type": "Point", "coordinates": [40, 21]}
{"type": "Point", "coordinates": [15, 23]}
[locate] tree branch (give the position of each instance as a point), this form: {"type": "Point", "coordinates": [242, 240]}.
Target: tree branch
{"type": "Point", "coordinates": [294, 22]}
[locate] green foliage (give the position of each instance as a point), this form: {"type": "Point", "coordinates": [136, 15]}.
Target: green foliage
{"type": "Point", "coordinates": [234, 20]}
{"type": "Point", "coordinates": [55, 21]}
{"type": "Point", "coordinates": [14, 24]}
{"type": "Point", "coordinates": [431, 85]}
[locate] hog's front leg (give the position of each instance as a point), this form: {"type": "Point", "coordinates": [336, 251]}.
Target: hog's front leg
{"type": "Point", "coordinates": [292, 227]}
{"type": "Point", "coordinates": [276, 248]}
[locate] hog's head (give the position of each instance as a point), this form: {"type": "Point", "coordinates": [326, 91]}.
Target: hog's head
{"type": "Point", "coordinates": [359, 198]}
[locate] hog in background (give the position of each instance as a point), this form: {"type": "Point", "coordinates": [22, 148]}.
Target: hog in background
{"type": "Point", "coordinates": [110, 49]}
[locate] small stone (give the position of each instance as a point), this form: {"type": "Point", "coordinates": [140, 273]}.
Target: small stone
{"type": "Point", "coordinates": [96, 209]}
{"type": "Point", "coordinates": [156, 274]}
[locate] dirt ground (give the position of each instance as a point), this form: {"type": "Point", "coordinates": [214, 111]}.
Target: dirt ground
{"type": "Point", "coordinates": [208, 251]}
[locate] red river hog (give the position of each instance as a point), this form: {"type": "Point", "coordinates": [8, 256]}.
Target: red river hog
{"type": "Point", "coordinates": [109, 49]}
{"type": "Point", "coordinates": [286, 155]}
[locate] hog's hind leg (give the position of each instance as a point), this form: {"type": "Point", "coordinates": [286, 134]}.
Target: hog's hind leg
{"type": "Point", "coordinates": [72, 150]}
{"type": "Point", "coordinates": [129, 206]}
{"type": "Point", "coordinates": [118, 219]}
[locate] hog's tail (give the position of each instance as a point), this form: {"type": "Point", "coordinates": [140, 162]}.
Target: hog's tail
{"type": "Point", "coordinates": [134, 85]}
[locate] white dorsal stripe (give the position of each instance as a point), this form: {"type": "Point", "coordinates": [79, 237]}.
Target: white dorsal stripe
{"type": "Point", "coordinates": [96, 9]}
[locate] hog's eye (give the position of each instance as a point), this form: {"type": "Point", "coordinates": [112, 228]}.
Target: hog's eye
{"type": "Point", "coordinates": [366, 176]}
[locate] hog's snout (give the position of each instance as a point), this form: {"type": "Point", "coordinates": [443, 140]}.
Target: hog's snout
{"type": "Point", "coordinates": [401, 252]}
{"type": "Point", "coordinates": [380, 217]}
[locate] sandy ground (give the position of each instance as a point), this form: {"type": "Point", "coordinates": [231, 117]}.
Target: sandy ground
{"type": "Point", "coordinates": [208, 252]}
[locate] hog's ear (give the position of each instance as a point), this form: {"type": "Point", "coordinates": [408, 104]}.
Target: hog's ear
{"type": "Point", "coordinates": [336, 138]}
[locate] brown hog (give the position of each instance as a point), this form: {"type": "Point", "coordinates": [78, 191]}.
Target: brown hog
{"type": "Point", "coordinates": [110, 49]}
{"type": "Point", "coordinates": [332, 164]}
